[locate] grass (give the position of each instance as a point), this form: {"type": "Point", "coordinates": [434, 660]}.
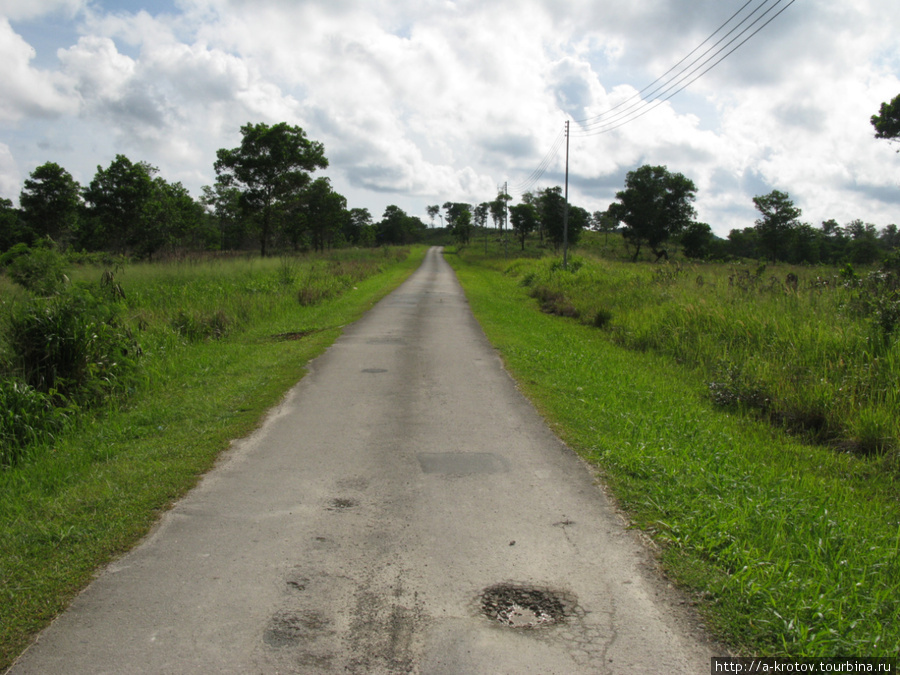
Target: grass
{"type": "Point", "coordinates": [790, 548]}
{"type": "Point", "coordinates": [76, 504]}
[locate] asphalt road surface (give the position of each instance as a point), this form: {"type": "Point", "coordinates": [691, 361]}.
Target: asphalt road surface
{"type": "Point", "coordinates": [404, 509]}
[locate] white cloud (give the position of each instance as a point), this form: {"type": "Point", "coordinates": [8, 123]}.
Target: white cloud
{"type": "Point", "coordinates": [10, 181]}
{"type": "Point", "coordinates": [427, 101]}
{"type": "Point", "coordinates": [26, 91]}
{"type": "Point", "coordinates": [22, 10]}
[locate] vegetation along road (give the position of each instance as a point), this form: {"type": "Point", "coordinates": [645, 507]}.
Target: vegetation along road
{"type": "Point", "coordinates": [404, 509]}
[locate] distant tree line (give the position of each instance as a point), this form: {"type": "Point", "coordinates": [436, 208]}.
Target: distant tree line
{"type": "Point", "coordinates": [264, 197]}
{"type": "Point", "coordinates": [655, 211]}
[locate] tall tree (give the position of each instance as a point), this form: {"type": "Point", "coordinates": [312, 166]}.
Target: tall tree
{"type": "Point", "coordinates": [271, 167]}
{"type": "Point", "coordinates": [325, 210]}
{"type": "Point", "coordinates": [223, 204]}
{"type": "Point", "coordinates": [551, 206]}
{"type": "Point", "coordinates": [695, 239]}
{"type": "Point", "coordinates": [11, 231]}
{"type": "Point", "coordinates": [655, 206]}
{"type": "Point", "coordinates": [523, 218]}
{"type": "Point", "coordinates": [887, 121]}
{"type": "Point", "coordinates": [779, 218]}
{"type": "Point", "coordinates": [50, 202]}
{"type": "Point", "coordinates": [358, 227]}
{"type": "Point", "coordinates": [397, 227]}
{"type": "Point", "coordinates": [498, 209]}
{"type": "Point", "coordinates": [433, 212]}
{"type": "Point", "coordinates": [170, 217]}
{"type": "Point", "coordinates": [116, 199]}
{"type": "Point", "coordinates": [603, 222]}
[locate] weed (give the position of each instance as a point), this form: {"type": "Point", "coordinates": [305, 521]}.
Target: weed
{"type": "Point", "coordinates": [28, 417]}
{"type": "Point", "coordinates": [39, 270]}
{"type": "Point", "coordinates": [71, 344]}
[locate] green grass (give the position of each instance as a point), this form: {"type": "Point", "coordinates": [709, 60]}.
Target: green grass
{"type": "Point", "coordinates": [789, 548]}
{"type": "Point", "coordinates": [76, 504]}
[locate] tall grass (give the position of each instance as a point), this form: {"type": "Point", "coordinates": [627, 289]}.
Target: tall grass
{"type": "Point", "coordinates": [792, 344]}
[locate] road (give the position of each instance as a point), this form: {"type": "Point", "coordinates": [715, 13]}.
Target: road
{"type": "Point", "coordinates": [404, 509]}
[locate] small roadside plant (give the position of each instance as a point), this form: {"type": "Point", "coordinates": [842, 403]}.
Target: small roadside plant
{"type": "Point", "coordinates": [28, 417]}
{"type": "Point", "coordinates": [40, 270]}
{"type": "Point", "coordinates": [72, 346]}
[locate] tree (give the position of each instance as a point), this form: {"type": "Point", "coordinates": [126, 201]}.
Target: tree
{"type": "Point", "coordinates": [887, 121]}
{"type": "Point", "coordinates": [523, 218]}
{"type": "Point", "coordinates": [11, 231]}
{"type": "Point", "coordinates": [271, 167]}
{"type": "Point", "coordinates": [397, 227]}
{"type": "Point", "coordinates": [603, 222]}
{"type": "Point", "coordinates": [498, 210]}
{"type": "Point", "coordinates": [579, 220]}
{"type": "Point", "coordinates": [551, 206]}
{"type": "Point", "coordinates": [224, 205]}
{"type": "Point", "coordinates": [696, 240]}
{"type": "Point", "coordinates": [779, 219]}
{"type": "Point", "coordinates": [116, 199]}
{"type": "Point", "coordinates": [480, 214]}
{"type": "Point", "coordinates": [358, 227]}
{"type": "Point", "coordinates": [325, 210]}
{"type": "Point", "coordinates": [459, 217]}
{"type": "Point", "coordinates": [459, 220]}
{"type": "Point", "coordinates": [433, 212]}
{"type": "Point", "coordinates": [655, 206]}
{"type": "Point", "coordinates": [50, 202]}
{"type": "Point", "coordinates": [170, 217]}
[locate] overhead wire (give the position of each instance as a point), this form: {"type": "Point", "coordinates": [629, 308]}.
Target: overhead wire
{"type": "Point", "coordinates": [529, 182]}
{"type": "Point", "coordinates": [638, 95]}
{"type": "Point", "coordinates": [600, 124]}
{"type": "Point", "coordinates": [665, 92]}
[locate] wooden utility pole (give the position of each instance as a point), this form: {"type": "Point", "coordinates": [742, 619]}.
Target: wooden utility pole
{"type": "Point", "coordinates": [566, 209]}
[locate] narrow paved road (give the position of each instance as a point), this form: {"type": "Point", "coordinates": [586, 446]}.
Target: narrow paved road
{"type": "Point", "coordinates": [401, 490]}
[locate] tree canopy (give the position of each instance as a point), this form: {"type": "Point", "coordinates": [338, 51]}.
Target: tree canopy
{"type": "Point", "coordinates": [50, 201]}
{"type": "Point", "coordinates": [523, 218]}
{"type": "Point", "coordinates": [887, 121]}
{"type": "Point", "coordinates": [655, 206]}
{"type": "Point", "coordinates": [271, 167]}
{"type": "Point", "coordinates": [779, 218]}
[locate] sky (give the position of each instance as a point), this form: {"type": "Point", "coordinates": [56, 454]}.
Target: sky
{"type": "Point", "coordinates": [421, 102]}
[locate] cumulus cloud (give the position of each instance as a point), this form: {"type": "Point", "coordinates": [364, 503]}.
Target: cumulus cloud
{"type": "Point", "coordinates": [424, 102]}
{"type": "Point", "coordinates": [26, 91]}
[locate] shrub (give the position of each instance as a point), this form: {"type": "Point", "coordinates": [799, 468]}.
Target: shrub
{"type": "Point", "coordinates": [40, 270]}
{"type": "Point", "coordinates": [195, 326]}
{"type": "Point", "coordinates": [72, 345]}
{"type": "Point", "coordinates": [27, 417]}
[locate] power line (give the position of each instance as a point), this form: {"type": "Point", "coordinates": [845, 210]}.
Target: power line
{"type": "Point", "coordinates": [665, 92]}
{"type": "Point", "coordinates": [661, 77]}
{"type": "Point", "coordinates": [526, 185]}
{"type": "Point", "coordinates": [600, 124]}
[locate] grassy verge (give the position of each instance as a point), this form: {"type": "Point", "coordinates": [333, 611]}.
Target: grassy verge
{"type": "Point", "coordinates": [789, 548]}
{"type": "Point", "coordinates": [78, 503]}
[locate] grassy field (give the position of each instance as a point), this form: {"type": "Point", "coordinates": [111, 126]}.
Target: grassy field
{"type": "Point", "coordinates": [787, 532]}
{"type": "Point", "coordinates": [221, 342]}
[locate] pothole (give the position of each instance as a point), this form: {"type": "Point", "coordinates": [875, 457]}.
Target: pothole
{"type": "Point", "coordinates": [341, 503]}
{"type": "Point", "coordinates": [522, 606]}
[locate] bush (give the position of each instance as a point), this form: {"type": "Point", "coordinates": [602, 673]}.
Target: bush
{"type": "Point", "coordinates": [196, 326]}
{"type": "Point", "coordinates": [39, 270]}
{"type": "Point", "coordinates": [27, 417]}
{"type": "Point", "coordinates": [72, 345]}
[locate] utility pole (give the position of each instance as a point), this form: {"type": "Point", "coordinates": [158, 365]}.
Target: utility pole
{"type": "Point", "coordinates": [505, 240]}
{"type": "Point", "coordinates": [566, 210]}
